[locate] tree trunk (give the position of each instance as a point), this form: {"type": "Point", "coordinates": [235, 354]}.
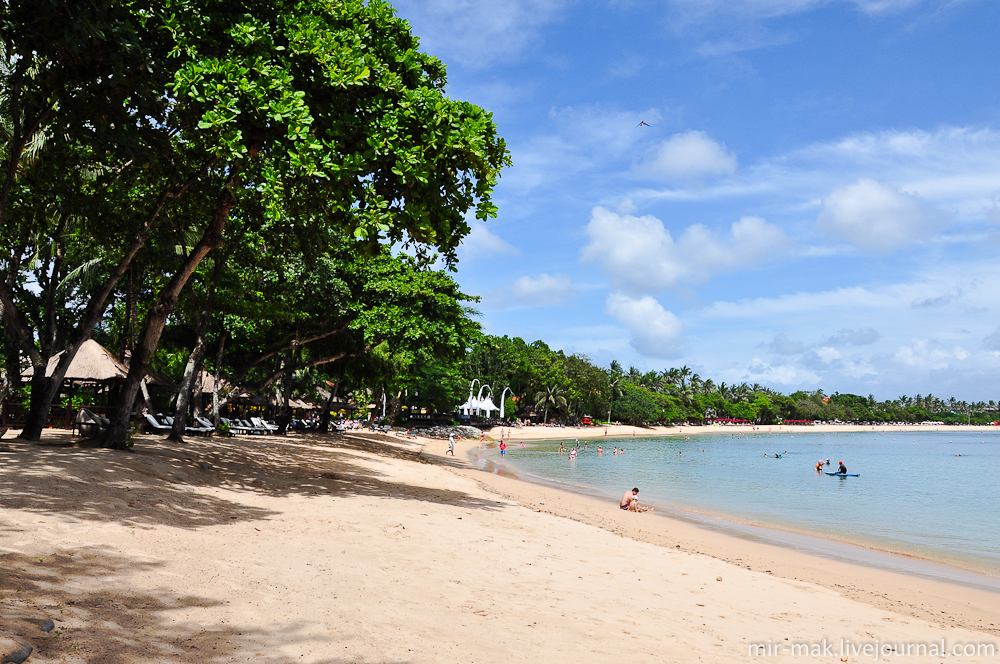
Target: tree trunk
{"type": "Point", "coordinates": [91, 317]}
{"type": "Point", "coordinates": [218, 378]}
{"type": "Point", "coordinates": [185, 392]}
{"type": "Point", "coordinates": [157, 318]}
{"type": "Point", "coordinates": [324, 424]}
{"type": "Point", "coordinates": [285, 412]}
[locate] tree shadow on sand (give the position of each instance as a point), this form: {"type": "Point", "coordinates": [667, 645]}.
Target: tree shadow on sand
{"type": "Point", "coordinates": [123, 626]}
{"type": "Point", "coordinates": [161, 483]}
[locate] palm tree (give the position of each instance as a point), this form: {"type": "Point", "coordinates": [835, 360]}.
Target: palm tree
{"type": "Point", "coordinates": [614, 383]}
{"type": "Point", "coordinates": [682, 375]}
{"type": "Point", "coordinates": [552, 395]}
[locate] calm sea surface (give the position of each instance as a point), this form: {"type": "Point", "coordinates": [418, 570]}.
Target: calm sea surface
{"type": "Point", "coordinates": [914, 496]}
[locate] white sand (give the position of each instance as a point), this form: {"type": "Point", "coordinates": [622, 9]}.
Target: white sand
{"type": "Point", "coordinates": [312, 549]}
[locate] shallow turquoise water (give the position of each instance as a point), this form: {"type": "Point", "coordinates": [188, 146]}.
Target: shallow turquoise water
{"type": "Point", "coordinates": [914, 495]}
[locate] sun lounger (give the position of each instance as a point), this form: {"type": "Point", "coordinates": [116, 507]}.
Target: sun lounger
{"type": "Point", "coordinates": [152, 426]}
{"type": "Point", "coordinates": [236, 427]}
{"type": "Point", "coordinates": [258, 422]}
{"type": "Point", "coordinates": [200, 429]}
{"type": "Point", "coordinates": [253, 428]}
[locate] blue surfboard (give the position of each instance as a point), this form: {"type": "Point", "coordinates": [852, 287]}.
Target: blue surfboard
{"type": "Point", "coordinates": [843, 475]}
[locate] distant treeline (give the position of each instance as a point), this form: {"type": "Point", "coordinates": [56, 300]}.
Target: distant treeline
{"type": "Point", "coordinates": [549, 384]}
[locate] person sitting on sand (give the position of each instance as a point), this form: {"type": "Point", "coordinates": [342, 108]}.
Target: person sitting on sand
{"type": "Point", "coordinates": [630, 502]}
{"type": "Point", "coordinates": [843, 469]}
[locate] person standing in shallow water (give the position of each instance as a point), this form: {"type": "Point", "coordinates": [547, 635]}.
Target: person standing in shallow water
{"type": "Point", "coordinates": [503, 448]}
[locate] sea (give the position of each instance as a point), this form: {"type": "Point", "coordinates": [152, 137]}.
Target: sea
{"type": "Point", "coordinates": [925, 503]}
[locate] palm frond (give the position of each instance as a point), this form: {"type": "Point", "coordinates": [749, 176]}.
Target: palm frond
{"type": "Point", "coordinates": [85, 275]}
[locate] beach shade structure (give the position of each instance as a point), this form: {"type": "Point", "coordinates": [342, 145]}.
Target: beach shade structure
{"type": "Point", "coordinates": [93, 363]}
{"type": "Point", "coordinates": [92, 366]}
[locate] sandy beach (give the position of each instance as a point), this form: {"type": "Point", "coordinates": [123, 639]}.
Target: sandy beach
{"type": "Point", "coordinates": [367, 548]}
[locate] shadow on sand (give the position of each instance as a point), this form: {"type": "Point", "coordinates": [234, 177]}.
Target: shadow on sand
{"type": "Point", "coordinates": [159, 482]}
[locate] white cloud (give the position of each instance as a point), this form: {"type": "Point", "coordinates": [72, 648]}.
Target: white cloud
{"type": "Point", "coordinates": [639, 255]}
{"type": "Point", "coordinates": [478, 33]}
{"type": "Point", "coordinates": [686, 156]}
{"type": "Point", "coordinates": [828, 354]}
{"type": "Point", "coordinates": [875, 217]}
{"type": "Point", "coordinates": [656, 332]}
{"type": "Point", "coordinates": [929, 354]}
{"type": "Point", "coordinates": [954, 168]}
{"type": "Point", "coordinates": [532, 291]}
{"type": "Point", "coordinates": [481, 242]}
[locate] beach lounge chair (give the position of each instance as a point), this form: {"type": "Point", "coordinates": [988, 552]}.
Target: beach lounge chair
{"type": "Point", "coordinates": [253, 428]}
{"type": "Point", "coordinates": [206, 424]}
{"type": "Point", "coordinates": [199, 428]}
{"type": "Point", "coordinates": [152, 426]}
{"type": "Point", "coordinates": [90, 424]}
{"type": "Point", "coordinates": [237, 427]}
{"type": "Point", "coordinates": [261, 424]}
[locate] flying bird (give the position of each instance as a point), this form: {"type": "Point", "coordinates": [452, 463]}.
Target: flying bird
{"type": "Point", "coordinates": [642, 123]}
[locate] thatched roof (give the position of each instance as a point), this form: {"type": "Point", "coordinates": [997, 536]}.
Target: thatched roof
{"type": "Point", "coordinates": [92, 362]}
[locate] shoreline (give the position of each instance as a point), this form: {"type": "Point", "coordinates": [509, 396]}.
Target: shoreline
{"type": "Point", "coordinates": [964, 572]}
{"type": "Point", "coordinates": [972, 606]}
{"type": "Point", "coordinates": [627, 431]}
{"type": "Point", "coordinates": [803, 541]}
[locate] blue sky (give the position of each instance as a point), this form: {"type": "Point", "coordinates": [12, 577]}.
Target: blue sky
{"type": "Point", "coordinates": [815, 202]}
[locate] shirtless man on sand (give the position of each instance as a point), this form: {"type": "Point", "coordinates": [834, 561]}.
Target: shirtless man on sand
{"type": "Point", "coordinates": [630, 502]}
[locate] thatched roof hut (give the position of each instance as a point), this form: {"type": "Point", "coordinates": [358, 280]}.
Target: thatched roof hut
{"type": "Point", "coordinates": [93, 362]}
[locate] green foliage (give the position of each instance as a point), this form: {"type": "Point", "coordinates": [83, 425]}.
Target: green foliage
{"type": "Point", "coordinates": [635, 406]}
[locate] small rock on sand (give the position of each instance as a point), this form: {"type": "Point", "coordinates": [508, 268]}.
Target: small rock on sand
{"type": "Point", "coordinates": [13, 652]}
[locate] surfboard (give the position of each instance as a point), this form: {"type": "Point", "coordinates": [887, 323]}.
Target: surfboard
{"type": "Point", "coordinates": [843, 475]}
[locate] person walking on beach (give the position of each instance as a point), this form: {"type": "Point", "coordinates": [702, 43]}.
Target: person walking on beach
{"type": "Point", "coordinates": [451, 444]}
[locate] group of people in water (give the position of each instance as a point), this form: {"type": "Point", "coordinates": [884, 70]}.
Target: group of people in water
{"type": "Point", "coordinates": [575, 449]}
{"type": "Point", "coordinates": [842, 470]}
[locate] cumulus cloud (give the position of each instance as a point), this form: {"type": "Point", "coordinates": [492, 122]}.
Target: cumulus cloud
{"type": "Point", "coordinates": [874, 216]}
{"type": "Point", "coordinates": [481, 242]}
{"type": "Point", "coordinates": [861, 337]}
{"type": "Point", "coordinates": [639, 255]}
{"type": "Point", "coordinates": [690, 155]}
{"type": "Point", "coordinates": [532, 291]}
{"type": "Point", "coordinates": [655, 331]}
{"type": "Point", "coordinates": [929, 354]}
